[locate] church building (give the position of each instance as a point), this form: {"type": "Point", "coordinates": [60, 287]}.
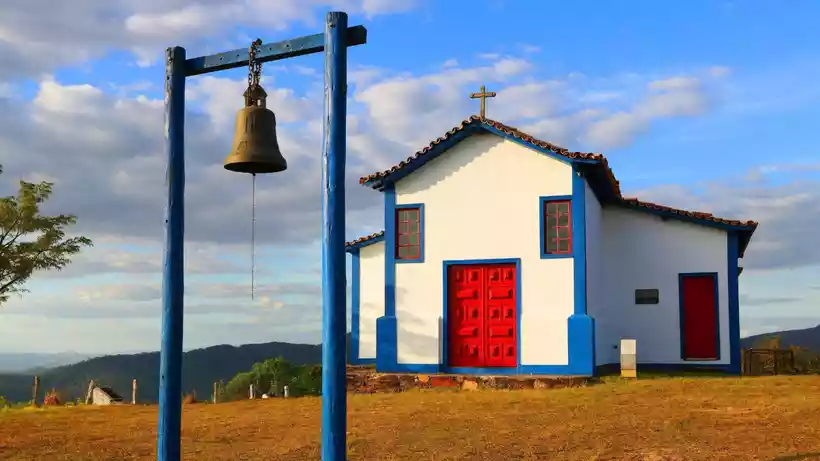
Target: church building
{"type": "Point", "coordinates": [505, 255]}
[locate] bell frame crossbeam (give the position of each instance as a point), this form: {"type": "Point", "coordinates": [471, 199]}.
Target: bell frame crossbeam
{"type": "Point", "coordinates": [335, 40]}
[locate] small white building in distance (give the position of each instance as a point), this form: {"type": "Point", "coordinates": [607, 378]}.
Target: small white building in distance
{"type": "Point", "coordinates": [506, 255]}
{"type": "Point", "coordinates": [105, 396]}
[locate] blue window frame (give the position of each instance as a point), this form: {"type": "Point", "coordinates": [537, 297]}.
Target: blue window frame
{"type": "Point", "coordinates": [409, 247]}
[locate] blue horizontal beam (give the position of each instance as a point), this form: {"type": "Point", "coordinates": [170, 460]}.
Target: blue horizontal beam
{"type": "Point", "coordinates": [356, 35]}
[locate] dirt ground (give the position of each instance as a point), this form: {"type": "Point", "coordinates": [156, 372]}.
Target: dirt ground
{"type": "Point", "coordinates": [772, 418]}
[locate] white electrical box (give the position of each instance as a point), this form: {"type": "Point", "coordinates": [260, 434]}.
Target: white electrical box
{"type": "Point", "coordinates": [629, 358]}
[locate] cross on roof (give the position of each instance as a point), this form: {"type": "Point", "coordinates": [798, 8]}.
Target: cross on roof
{"type": "Point", "coordinates": [483, 95]}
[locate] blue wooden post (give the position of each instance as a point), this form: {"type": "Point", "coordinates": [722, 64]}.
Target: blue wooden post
{"type": "Point", "coordinates": [334, 325]}
{"type": "Point", "coordinates": [334, 42]}
{"type": "Point", "coordinates": [170, 377]}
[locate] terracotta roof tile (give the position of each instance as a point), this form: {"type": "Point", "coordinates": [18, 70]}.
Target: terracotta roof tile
{"type": "Point", "coordinates": [632, 201]}
{"type": "Point", "coordinates": [471, 121]}
{"type": "Point", "coordinates": [601, 166]}
{"type": "Point", "coordinates": [364, 239]}
{"type": "Point", "coordinates": [509, 130]}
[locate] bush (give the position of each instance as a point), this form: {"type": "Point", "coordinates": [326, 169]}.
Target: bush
{"type": "Point", "coordinates": [52, 398]}
{"type": "Point", "coordinates": [271, 376]}
{"type": "Point", "coordinates": [4, 403]}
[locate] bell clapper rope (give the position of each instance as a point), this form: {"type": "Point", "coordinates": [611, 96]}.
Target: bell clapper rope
{"type": "Point", "coordinates": [254, 77]}
{"type": "Point", "coordinates": [253, 233]}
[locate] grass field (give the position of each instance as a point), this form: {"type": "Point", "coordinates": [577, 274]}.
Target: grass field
{"type": "Point", "coordinates": [773, 418]}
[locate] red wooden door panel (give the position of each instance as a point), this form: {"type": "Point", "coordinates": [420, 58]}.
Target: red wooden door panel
{"type": "Point", "coordinates": [500, 329]}
{"type": "Point", "coordinates": [465, 316]}
{"type": "Point", "coordinates": [700, 324]}
{"type": "Point", "coordinates": [481, 316]}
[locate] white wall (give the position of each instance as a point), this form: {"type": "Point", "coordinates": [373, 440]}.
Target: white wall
{"type": "Point", "coordinates": [481, 202]}
{"type": "Point", "coordinates": [642, 251]}
{"type": "Point", "coordinates": [371, 296]}
{"type": "Point", "coordinates": [596, 306]}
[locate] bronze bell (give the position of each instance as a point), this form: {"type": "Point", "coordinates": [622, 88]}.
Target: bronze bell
{"type": "Point", "coordinates": [255, 148]}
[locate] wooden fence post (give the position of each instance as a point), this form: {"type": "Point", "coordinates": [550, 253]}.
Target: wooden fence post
{"type": "Point", "coordinates": [215, 397]}
{"type": "Point", "coordinates": [134, 392]}
{"type": "Point", "coordinates": [36, 390]}
{"type": "Point", "coordinates": [90, 392]}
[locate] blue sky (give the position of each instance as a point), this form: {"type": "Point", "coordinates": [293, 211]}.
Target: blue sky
{"type": "Point", "coordinates": [705, 105]}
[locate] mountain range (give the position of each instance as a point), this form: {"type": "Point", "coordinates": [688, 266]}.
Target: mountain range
{"type": "Point", "coordinates": [200, 369]}
{"type": "Point", "coordinates": [18, 363]}
{"type": "Point", "coordinates": [808, 338]}
{"type": "Point", "coordinates": [203, 367]}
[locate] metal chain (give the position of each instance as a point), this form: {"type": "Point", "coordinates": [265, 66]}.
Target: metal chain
{"type": "Point", "coordinates": [254, 66]}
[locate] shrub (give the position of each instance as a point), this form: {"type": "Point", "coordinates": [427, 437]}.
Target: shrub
{"type": "Point", "coordinates": [52, 398]}
{"type": "Point", "coordinates": [4, 403]}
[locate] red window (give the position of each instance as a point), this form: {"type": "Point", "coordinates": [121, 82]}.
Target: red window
{"type": "Point", "coordinates": [557, 227]}
{"type": "Point", "coordinates": [408, 234]}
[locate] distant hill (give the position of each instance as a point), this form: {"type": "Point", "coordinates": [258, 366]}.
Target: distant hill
{"type": "Point", "coordinates": [16, 363]}
{"type": "Point", "coordinates": [808, 338]}
{"type": "Point", "coordinates": [200, 369]}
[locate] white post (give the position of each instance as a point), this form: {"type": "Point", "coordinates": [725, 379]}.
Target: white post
{"type": "Point", "coordinates": [134, 392]}
{"type": "Point", "coordinates": [629, 358]}
{"type": "Point", "coordinates": [90, 393]}
{"type": "Point", "coordinates": [250, 392]}
{"type": "Point", "coordinates": [286, 391]}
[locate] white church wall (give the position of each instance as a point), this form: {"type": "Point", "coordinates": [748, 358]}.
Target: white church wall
{"type": "Point", "coordinates": [371, 296]}
{"type": "Point", "coordinates": [642, 251]}
{"type": "Point", "coordinates": [596, 306]}
{"type": "Point", "coordinates": [481, 201]}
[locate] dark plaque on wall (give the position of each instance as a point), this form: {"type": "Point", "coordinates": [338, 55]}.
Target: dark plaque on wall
{"type": "Point", "coordinates": [647, 296]}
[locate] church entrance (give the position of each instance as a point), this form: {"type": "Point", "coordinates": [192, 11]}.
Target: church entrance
{"type": "Point", "coordinates": [700, 336]}
{"type": "Point", "coordinates": [481, 315]}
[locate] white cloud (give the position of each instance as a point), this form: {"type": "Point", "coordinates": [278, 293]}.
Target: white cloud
{"type": "Point", "coordinates": [112, 172]}
{"type": "Point", "coordinates": [38, 36]}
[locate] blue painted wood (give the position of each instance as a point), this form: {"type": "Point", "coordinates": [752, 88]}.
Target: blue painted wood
{"type": "Point", "coordinates": [310, 44]}
{"type": "Point", "coordinates": [386, 326]}
{"type": "Point", "coordinates": [579, 242]}
{"type": "Point", "coordinates": [170, 377]}
{"type": "Point", "coordinates": [334, 324]}
{"type": "Point", "coordinates": [389, 251]}
{"type": "Point", "coordinates": [732, 273]}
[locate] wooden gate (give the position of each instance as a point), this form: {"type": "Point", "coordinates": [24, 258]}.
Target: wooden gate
{"type": "Point", "coordinates": [758, 362]}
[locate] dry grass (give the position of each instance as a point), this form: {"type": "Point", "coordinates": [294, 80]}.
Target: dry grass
{"type": "Point", "coordinates": [775, 418]}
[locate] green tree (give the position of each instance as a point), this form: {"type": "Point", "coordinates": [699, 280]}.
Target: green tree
{"type": "Point", "coordinates": [308, 380]}
{"type": "Point", "coordinates": [31, 242]}
{"type": "Point", "coordinates": [237, 387]}
{"type": "Point", "coordinates": [301, 380]}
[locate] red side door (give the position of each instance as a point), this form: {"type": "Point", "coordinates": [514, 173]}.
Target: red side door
{"type": "Point", "coordinates": [699, 317]}
{"type": "Point", "coordinates": [481, 316]}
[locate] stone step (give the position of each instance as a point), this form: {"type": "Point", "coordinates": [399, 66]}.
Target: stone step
{"type": "Point", "coordinates": [366, 380]}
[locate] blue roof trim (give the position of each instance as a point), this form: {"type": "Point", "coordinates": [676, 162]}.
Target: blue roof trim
{"type": "Point", "coordinates": [356, 245]}
{"type": "Point", "coordinates": [744, 232]}
{"type": "Point", "coordinates": [595, 170]}
{"type": "Point", "coordinates": [549, 153]}
{"type": "Point", "coordinates": [474, 126]}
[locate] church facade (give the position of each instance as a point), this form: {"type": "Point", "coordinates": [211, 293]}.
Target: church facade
{"type": "Point", "coordinates": [505, 255]}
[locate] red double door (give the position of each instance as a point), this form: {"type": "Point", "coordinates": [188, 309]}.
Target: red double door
{"type": "Point", "coordinates": [481, 315]}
